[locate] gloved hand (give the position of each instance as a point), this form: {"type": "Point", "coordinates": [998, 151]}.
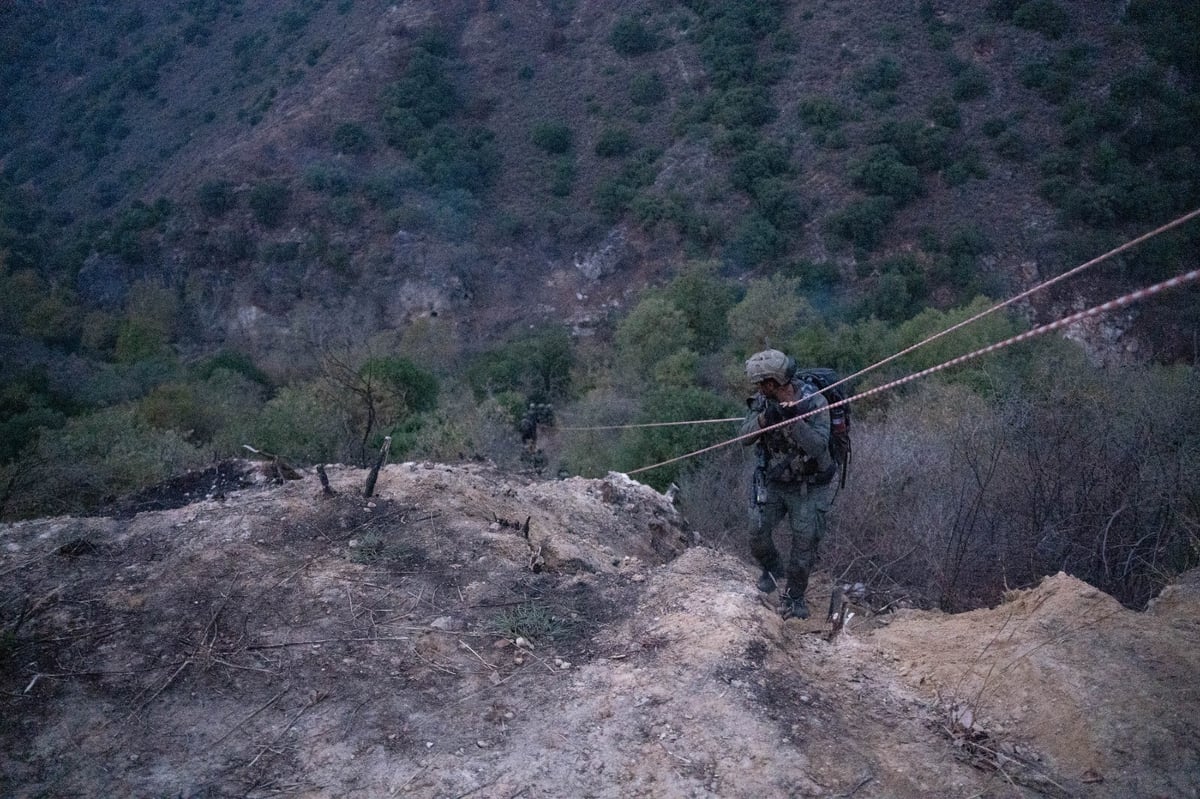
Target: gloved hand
{"type": "Point", "coordinates": [772, 414]}
{"type": "Point", "coordinates": [757, 403]}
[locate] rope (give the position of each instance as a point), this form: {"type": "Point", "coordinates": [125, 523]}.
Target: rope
{"type": "Point", "coordinates": [1011, 300]}
{"type": "Point", "coordinates": [1039, 287]}
{"type": "Point", "coordinates": [1111, 305]}
{"type": "Point", "coordinates": [653, 424]}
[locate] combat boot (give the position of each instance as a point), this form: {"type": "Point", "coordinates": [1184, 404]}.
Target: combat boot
{"type": "Point", "coordinates": [767, 582]}
{"type": "Point", "coordinates": [791, 607]}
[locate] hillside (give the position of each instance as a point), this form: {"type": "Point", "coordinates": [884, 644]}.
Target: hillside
{"type": "Point", "coordinates": [471, 633]}
{"type": "Point", "coordinates": [353, 167]}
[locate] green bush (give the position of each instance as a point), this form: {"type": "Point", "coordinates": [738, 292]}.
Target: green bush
{"type": "Point", "coordinates": [614, 142]}
{"type": "Point", "coordinates": [269, 201]}
{"type": "Point", "coordinates": [105, 454]}
{"type": "Point", "coordinates": [645, 446]}
{"type": "Point", "coordinates": [216, 197]}
{"type": "Point", "coordinates": [614, 195]}
{"type": "Point", "coordinates": [301, 424]}
{"type": "Point", "coordinates": [141, 340]}
{"type": "Point", "coordinates": [862, 222]}
{"type": "Point", "coordinates": [882, 172]}
{"type": "Point", "coordinates": [651, 331]}
{"type": "Point", "coordinates": [770, 311]}
{"type": "Point", "coordinates": [351, 137]}
{"type": "Point", "coordinates": [704, 299]}
{"type": "Point", "coordinates": [943, 110]}
{"type": "Point", "coordinates": [1171, 31]}
{"type": "Point", "coordinates": [413, 388]}
{"type": "Point", "coordinates": [739, 106]}
{"type": "Point", "coordinates": [536, 364]}
{"type": "Point", "coordinates": [918, 144]}
{"type": "Point", "coordinates": [968, 165]}
{"type": "Point", "coordinates": [1043, 16]}
{"type": "Point", "coordinates": [821, 112]}
{"type": "Point", "coordinates": [456, 159]}
{"type": "Point", "coordinates": [647, 89]}
{"type": "Point", "coordinates": [232, 361]}
{"type": "Point", "coordinates": [778, 203]}
{"type": "Point", "coordinates": [553, 137]}
{"type": "Point", "coordinates": [971, 83]}
{"type": "Point", "coordinates": [756, 241]}
{"type": "Point", "coordinates": [900, 290]}
{"type": "Point", "coordinates": [331, 180]}
{"type": "Point", "coordinates": [762, 161]}
{"type": "Point", "coordinates": [884, 74]}
{"type": "Point", "coordinates": [631, 37]}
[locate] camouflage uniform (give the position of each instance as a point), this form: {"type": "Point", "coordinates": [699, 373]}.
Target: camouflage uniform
{"type": "Point", "coordinates": [795, 478]}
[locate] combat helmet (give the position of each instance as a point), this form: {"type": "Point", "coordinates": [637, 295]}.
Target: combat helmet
{"type": "Point", "coordinates": [769, 364]}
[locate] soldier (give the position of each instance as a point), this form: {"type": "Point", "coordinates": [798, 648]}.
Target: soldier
{"type": "Point", "coordinates": [528, 429]}
{"type": "Point", "coordinates": [794, 477]}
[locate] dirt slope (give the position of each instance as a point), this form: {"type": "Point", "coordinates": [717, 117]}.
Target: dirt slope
{"type": "Point", "coordinates": [268, 640]}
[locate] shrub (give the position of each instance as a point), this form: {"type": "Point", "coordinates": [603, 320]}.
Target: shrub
{"type": "Point", "coordinates": [645, 446]}
{"type": "Point", "coordinates": [882, 172]}
{"type": "Point", "coordinates": [652, 330]}
{"type": "Point", "coordinates": [820, 112]}
{"type": "Point", "coordinates": [105, 454]}
{"type": "Point", "coordinates": [779, 203]}
{"type": "Point", "coordinates": [704, 299]}
{"type": "Point", "coordinates": [630, 37]}
{"type": "Point", "coordinates": [918, 144]}
{"type": "Point", "coordinates": [743, 106]}
{"type": "Point", "coordinates": [216, 197]}
{"type": "Point", "coordinates": [457, 159]}
{"type": "Point", "coordinates": [563, 177]}
{"type": "Point", "coordinates": [763, 160]}
{"type": "Point", "coordinates": [971, 83]}
{"type": "Point", "coordinates": [862, 222]}
{"type": "Point", "coordinates": [756, 241]}
{"type": "Point", "coordinates": [614, 142]}
{"type": "Point", "coordinates": [269, 202]}
{"type": "Point", "coordinates": [536, 365]}
{"type": "Point", "coordinates": [944, 111]}
{"type": "Point", "coordinates": [883, 74]}
{"type": "Point", "coordinates": [553, 137]}
{"type": "Point", "coordinates": [647, 88]}
{"type": "Point", "coordinates": [302, 425]}
{"type": "Point", "coordinates": [1043, 16]}
{"type": "Point", "coordinates": [351, 137]}
{"type": "Point", "coordinates": [768, 313]}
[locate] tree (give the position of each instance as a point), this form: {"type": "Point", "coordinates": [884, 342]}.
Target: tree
{"type": "Point", "coordinates": [385, 391]}
{"type": "Point", "coordinates": [768, 315]}
{"type": "Point", "coordinates": [654, 329]}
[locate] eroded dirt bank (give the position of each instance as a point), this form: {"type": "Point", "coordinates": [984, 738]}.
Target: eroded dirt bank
{"type": "Point", "coordinates": [269, 640]}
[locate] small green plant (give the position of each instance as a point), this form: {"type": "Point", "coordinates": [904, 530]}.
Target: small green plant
{"type": "Point", "coordinates": [531, 621]}
{"type": "Point", "coordinates": [375, 548]}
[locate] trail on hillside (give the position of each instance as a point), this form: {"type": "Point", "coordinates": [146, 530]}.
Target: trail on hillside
{"type": "Point", "coordinates": [472, 633]}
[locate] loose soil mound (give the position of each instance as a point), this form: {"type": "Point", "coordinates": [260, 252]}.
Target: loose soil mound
{"type": "Point", "coordinates": [472, 633]}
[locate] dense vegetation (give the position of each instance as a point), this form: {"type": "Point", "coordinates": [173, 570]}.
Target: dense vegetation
{"type": "Point", "coordinates": [116, 368]}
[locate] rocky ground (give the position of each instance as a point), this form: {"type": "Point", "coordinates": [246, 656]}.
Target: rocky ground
{"type": "Point", "coordinates": [467, 633]}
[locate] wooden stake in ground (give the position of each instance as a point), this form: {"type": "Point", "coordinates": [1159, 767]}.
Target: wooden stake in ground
{"type": "Point", "coordinates": [325, 489]}
{"type": "Point", "coordinates": [383, 453]}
